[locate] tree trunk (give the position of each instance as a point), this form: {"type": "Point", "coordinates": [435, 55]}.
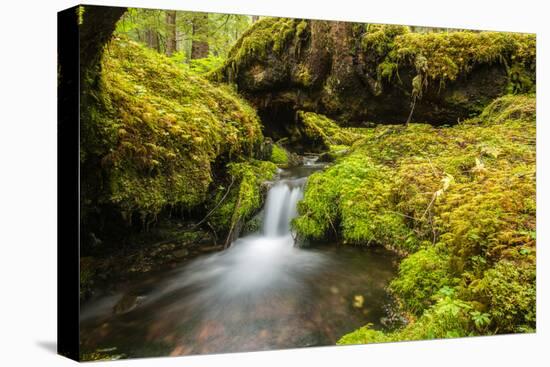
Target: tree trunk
{"type": "Point", "coordinates": [152, 39]}
{"type": "Point", "coordinates": [171, 46]}
{"type": "Point", "coordinates": [255, 18]}
{"type": "Point", "coordinates": [97, 26]}
{"type": "Point", "coordinates": [199, 45]}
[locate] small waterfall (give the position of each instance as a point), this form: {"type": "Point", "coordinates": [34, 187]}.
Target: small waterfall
{"type": "Point", "coordinates": [280, 207]}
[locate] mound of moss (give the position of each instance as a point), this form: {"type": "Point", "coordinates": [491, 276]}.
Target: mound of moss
{"type": "Point", "coordinates": [355, 72]}
{"type": "Point", "coordinates": [459, 200]}
{"type": "Point", "coordinates": [269, 35]}
{"type": "Point", "coordinates": [279, 156]}
{"type": "Point", "coordinates": [152, 132]}
{"type": "Point", "coordinates": [323, 132]}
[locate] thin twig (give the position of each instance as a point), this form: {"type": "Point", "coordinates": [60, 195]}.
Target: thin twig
{"type": "Point", "coordinates": [217, 205]}
{"type": "Point", "coordinates": [230, 234]}
{"type": "Point", "coordinates": [412, 110]}
{"type": "Point", "coordinates": [429, 205]}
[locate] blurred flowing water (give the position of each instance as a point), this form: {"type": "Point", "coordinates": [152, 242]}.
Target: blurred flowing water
{"type": "Point", "coordinates": [261, 293]}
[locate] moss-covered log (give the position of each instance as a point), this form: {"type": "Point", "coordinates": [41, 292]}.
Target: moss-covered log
{"type": "Point", "coordinates": [358, 73]}
{"type": "Point", "coordinates": [96, 25]}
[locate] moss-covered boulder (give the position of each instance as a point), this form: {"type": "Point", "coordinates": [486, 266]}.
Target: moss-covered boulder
{"type": "Point", "coordinates": [153, 135]}
{"type": "Point", "coordinates": [356, 73]}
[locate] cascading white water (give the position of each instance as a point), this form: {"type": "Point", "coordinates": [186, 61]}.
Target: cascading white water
{"type": "Point", "coordinates": [280, 207]}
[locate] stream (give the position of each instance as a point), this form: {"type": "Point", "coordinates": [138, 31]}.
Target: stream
{"type": "Point", "coordinates": [261, 293]}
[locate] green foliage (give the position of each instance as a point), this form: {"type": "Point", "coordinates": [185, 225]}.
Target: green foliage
{"type": "Point", "coordinates": [421, 276]}
{"type": "Point", "coordinates": [206, 65]}
{"type": "Point", "coordinates": [197, 66]}
{"type": "Point", "coordinates": [322, 130]}
{"type": "Point", "coordinates": [449, 317]}
{"type": "Point", "coordinates": [245, 195]}
{"type": "Point", "coordinates": [450, 54]}
{"type": "Point", "coordinates": [509, 291]}
{"type": "Point", "coordinates": [221, 31]}
{"type": "Point", "coordinates": [481, 320]}
{"type": "Point", "coordinates": [155, 129]}
{"type": "Point", "coordinates": [265, 36]}
{"type": "Point", "coordinates": [279, 155]}
{"type": "Point", "coordinates": [352, 197]}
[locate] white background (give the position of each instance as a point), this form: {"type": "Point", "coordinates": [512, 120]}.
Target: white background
{"type": "Point", "coordinates": [28, 182]}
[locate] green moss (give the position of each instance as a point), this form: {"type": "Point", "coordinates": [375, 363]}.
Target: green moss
{"type": "Point", "coordinates": [322, 130]}
{"type": "Point", "coordinates": [421, 276]}
{"type": "Point", "coordinates": [303, 76]}
{"type": "Point", "coordinates": [265, 36]}
{"type": "Point", "coordinates": [510, 108]}
{"type": "Point", "coordinates": [379, 37]}
{"type": "Point", "coordinates": [350, 197]}
{"type": "Point", "coordinates": [279, 155]}
{"type": "Point", "coordinates": [509, 291]}
{"type": "Point", "coordinates": [450, 54]}
{"type": "Point", "coordinates": [152, 130]}
{"type": "Point", "coordinates": [245, 195]}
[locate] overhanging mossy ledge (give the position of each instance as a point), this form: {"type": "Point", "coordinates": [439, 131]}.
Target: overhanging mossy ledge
{"type": "Point", "coordinates": [358, 73]}
{"type": "Point", "coordinates": [156, 139]}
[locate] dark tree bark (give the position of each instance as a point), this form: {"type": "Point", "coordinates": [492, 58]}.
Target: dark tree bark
{"type": "Point", "coordinates": [199, 46]}
{"type": "Point", "coordinates": [171, 45]}
{"type": "Point", "coordinates": [97, 27]}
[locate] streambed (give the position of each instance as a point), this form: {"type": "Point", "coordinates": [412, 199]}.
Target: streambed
{"type": "Point", "coordinates": [261, 293]}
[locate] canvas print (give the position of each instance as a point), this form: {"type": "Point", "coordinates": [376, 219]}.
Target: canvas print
{"type": "Point", "coordinates": [255, 183]}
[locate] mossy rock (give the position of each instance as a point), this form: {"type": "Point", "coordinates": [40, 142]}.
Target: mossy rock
{"type": "Point", "coordinates": [152, 132]}
{"type": "Point", "coordinates": [279, 156]}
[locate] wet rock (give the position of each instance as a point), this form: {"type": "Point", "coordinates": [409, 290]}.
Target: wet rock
{"type": "Point", "coordinates": [253, 225]}
{"type": "Point", "coordinates": [326, 157]}
{"type": "Point", "coordinates": [181, 253]}
{"type": "Point", "coordinates": [127, 303]}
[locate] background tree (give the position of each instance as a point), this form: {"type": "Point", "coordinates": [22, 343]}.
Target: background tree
{"type": "Point", "coordinates": [185, 36]}
{"type": "Point", "coordinates": [199, 47]}
{"type": "Point", "coordinates": [171, 34]}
